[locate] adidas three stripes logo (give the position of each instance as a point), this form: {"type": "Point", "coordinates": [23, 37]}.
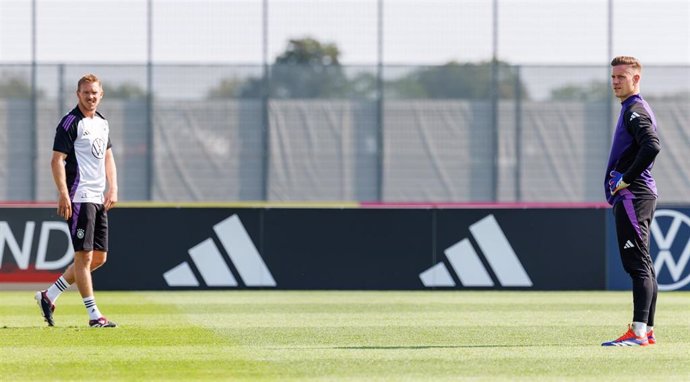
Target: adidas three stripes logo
{"type": "Point", "coordinates": [468, 266]}
{"type": "Point", "coordinates": [212, 266]}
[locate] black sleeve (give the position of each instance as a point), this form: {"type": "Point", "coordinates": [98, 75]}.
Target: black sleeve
{"type": "Point", "coordinates": [640, 126]}
{"type": "Point", "coordinates": [109, 144]}
{"type": "Point", "coordinates": [64, 138]}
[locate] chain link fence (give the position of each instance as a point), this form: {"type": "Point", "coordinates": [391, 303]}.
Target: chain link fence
{"type": "Point", "coordinates": [392, 101]}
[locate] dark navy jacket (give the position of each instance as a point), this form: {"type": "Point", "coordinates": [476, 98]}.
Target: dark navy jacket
{"type": "Point", "coordinates": [635, 145]}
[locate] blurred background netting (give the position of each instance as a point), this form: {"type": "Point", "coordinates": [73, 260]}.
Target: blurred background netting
{"type": "Point", "coordinates": [344, 100]}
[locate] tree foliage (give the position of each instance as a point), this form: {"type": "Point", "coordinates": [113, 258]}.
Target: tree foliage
{"type": "Point", "coordinates": [306, 69]}
{"type": "Point", "coordinates": [311, 69]}
{"type": "Point", "coordinates": [13, 85]}
{"type": "Point", "coordinates": [455, 80]}
{"type": "Point", "coordinates": [125, 90]}
{"type": "Point", "coordinates": [227, 88]}
{"type": "Point", "coordinates": [592, 91]}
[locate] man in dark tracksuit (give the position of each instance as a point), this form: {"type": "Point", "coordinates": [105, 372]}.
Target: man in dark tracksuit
{"type": "Point", "coordinates": [631, 190]}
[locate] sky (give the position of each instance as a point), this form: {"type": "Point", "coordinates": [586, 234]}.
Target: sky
{"type": "Point", "coordinates": [415, 32]}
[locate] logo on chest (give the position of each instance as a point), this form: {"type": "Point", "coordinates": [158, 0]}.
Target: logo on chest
{"type": "Point", "coordinates": [98, 148]}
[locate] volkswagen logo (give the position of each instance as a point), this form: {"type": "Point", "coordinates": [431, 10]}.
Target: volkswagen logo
{"type": "Point", "coordinates": [671, 234]}
{"type": "Point", "coordinates": [98, 148]}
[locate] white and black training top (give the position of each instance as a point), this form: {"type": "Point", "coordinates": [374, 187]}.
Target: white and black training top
{"type": "Point", "coordinates": [85, 141]}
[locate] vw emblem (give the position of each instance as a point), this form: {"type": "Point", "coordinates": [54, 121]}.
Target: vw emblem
{"type": "Point", "coordinates": [98, 148]}
{"type": "Point", "coordinates": [674, 239]}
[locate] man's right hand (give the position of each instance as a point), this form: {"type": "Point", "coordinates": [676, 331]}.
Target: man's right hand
{"type": "Point", "coordinates": [64, 207]}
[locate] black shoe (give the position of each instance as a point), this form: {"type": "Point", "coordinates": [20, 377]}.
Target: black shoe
{"type": "Point", "coordinates": [47, 307]}
{"type": "Point", "coordinates": [102, 323]}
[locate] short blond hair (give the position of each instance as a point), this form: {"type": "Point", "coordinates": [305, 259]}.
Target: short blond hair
{"type": "Point", "coordinates": [87, 78]}
{"type": "Point", "coordinates": [627, 60]}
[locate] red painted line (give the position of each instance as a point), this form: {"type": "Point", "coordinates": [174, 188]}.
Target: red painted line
{"type": "Point", "coordinates": [482, 205]}
{"type": "Point", "coordinates": [449, 205]}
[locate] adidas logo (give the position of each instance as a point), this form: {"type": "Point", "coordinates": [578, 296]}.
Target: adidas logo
{"type": "Point", "coordinates": [468, 266]}
{"type": "Point", "coordinates": [214, 269]}
{"type": "Point", "coordinates": [633, 115]}
{"type": "Point", "coordinates": [628, 244]}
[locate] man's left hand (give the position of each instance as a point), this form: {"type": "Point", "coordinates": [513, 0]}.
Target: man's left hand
{"type": "Point", "coordinates": [616, 183]}
{"type": "Point", "coordinates": [110, 199]}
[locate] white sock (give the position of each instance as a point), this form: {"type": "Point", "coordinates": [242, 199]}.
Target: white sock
{"type": "Point", "coordinates": [91, 308]}
{"type": "Point", "coordinates": [57, 288]}
{"type": "Point", "coordinates": [639, 328]}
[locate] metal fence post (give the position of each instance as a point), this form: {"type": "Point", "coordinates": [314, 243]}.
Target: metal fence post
{"type": "Point", "coordinates": [149, 103]}
{"type": "Point", "coordinates": [494, 94]}
{"type": "Point", "coordinates": [61, 89]}
{"type": "Point", "coordinates": [34, 106]}
{"type": "Point", "coordinates": [265, 95]}
{"type": "Point", "coordinates": [518, 134]}
{"type": "Point", "coordinates": [379, 107]}
{"type": "Point", "coordinates": [609, 105]}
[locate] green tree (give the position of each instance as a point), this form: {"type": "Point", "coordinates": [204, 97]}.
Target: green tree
{"type": "Point", "coordinates": [13, 85]}
{"type": "Point", "coordinates": [309, 51]}
{"type": "Point", "coordinates": [680, 96]}
{"type": "Point", "coordinates": [311, 69]}
{"type": "Point", "coordinates": [455, 80]}
{"type": "Point", "coordinates": [306, 69]}
{"type": "Point", "coordinates": [227, 88]}
{"type": "Point", "coordinates": [593, 91]}
{"type": "Point", "coordinates": [125, 90]}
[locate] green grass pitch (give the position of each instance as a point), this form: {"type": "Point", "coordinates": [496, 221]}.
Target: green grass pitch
{"type": "Point", "coordinates": [342, 336]}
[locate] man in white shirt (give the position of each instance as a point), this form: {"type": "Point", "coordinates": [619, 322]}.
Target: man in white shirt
{"type": "Point", "coordinates": [82, 166]}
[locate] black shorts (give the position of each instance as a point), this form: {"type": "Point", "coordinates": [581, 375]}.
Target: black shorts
{"type": "Point", "coordinates": [633, 222]}
{"type": "Point", "coordinates": [88, 227]}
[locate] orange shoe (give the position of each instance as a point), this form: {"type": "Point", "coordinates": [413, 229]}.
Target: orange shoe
{"type": "Point", "coordinates": [650, 337]}
{"type": "Point", "coordinates": [628, 339]}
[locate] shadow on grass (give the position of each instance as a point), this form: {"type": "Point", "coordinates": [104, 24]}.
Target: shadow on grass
{"type": "Point", "coordinates": [415, 347]}
{"type": "Point", "coordinates": [46, 327]}
{"type": "Point", "coordinates": [423, 347]}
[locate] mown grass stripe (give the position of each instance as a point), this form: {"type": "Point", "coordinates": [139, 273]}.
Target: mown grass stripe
{"type": "Point", "coordinates": [343, 336]}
